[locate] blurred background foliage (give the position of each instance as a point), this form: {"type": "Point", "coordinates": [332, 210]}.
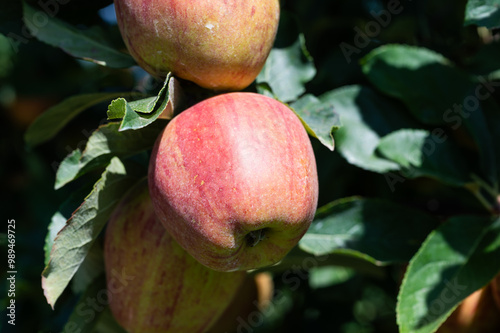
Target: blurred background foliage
{"type": "Point", "coordinates": [35, 76]}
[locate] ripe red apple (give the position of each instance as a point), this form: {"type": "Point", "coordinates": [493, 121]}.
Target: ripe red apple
{"type": "Point", "coordinates": [153, 284]}
{"type": "Point", "coordinates": [233, 179]}
{"type": "Point", "coordinates": [217, 44]}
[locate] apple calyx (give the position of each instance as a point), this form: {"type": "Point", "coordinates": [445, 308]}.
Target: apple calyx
{"type": "Point", "coordinates": [254, 237]}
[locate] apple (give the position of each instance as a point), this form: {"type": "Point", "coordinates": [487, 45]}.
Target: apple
{"type": "Point", "coordinates": [476, 314]}
{"type": "Point", "coordinates": [153, 284]}
{"type": "Point", "coordinates": [495, 290]}
{"type": "Point", "coordinates": [220, 45]}
{"type": "Point", "coordinates": [253, 298]}
{"type": "Point", "coordinates": [233, 179]}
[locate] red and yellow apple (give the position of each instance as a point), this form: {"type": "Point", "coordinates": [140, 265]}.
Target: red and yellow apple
{"type": "Point", "coordinates": [217, 44]}
{"type": "Point", "coordinates": [233, 179]}
{"type": "Point", "coordinates": [153, 284]}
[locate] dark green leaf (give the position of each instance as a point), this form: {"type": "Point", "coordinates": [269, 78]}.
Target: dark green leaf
{"type": "Point", "coordinates": [87, 322]}
{"type": "Point", "coordinates": [492, 116]}
{"type": "Point", "coordinates": [319, 118]}
{"type": "Point", "coordinates": [63, 214]}
{"type": "Point", "coordinates": [104, 144]}
{"type": "Point", "coordinates": [485, 13]}
{"type": "Point", "coordinates": [477, 125]}
{"type": "Point", "coordinates": [457, 259]}
{"type": "Point", "coordinates": [485, 61]}
{"type": "Point", "coordinates": [107, 323]}
{"type": "Point", "coordinates": [287, 70]}
{"type": "Point", "coordinates": [421, 153]}
{"type": "Point", "coordinates": [425, 81]}
{"type": "Point", "coordinates": [379, 231]}
{"type": "Point", "coordinates": [92, 314]}
{"type": "Point", "coordinates": [89, 44]}
{"type": "Point", "coordinates": [365, 117]}
{"type": "Point", "coordinates": [49, 123]}
{"type": "Point", "coordinates": [445, 95]}
{"type": "Point", "coordinates": [91, 267]}
{"type": "Point", "coordinates": [76, 238]}
{"type": "Point", "coordinates": [297, 257]}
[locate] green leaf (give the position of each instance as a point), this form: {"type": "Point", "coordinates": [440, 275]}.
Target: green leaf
{"type": "Point", "coordinates": [49, 123]}
{"type": "Point", "coordinates": [319, 119]}
{"type": "Point", "coordinates": [445, 95]}
{"type": "Point", "coordinates": [425, 81]}
{"type": "Point", "coordinates": [88, 322]}
{"type": "Point", "coordinates": [321, 277]}
{"type": "Point", "coordinates": [365, 116]}
{"type": "Point", "coordinates": [91, 267]}
{"type": "Point", "coordinates": [57, 222]}
{"type": "Point", "coordinates": [107, 323]}
{"type": "Point", "coordinates": [63, 214]}
{"type": "Point", "coordinates": [456, 259]}
{"type": "Point", "coordinates": [104, 144]}
{"type": "Point", "coordinates": [485, 62]}
{"type": "Point", "coordinates": [492, 114]}
{"type": "Point", "coordinates": [477, 125]}
{"type": "Point", "coordinates": [379, 231]}
{"type": "Point", "coordinates": [422, 153]}
{"type": "Point", "coordinates": [85, 44]}
{"type": "Point", "coordinates": [484, 13]}
{"type": "Point", "coordinates": [141, 113]}
{"type": "Point", "coordinates": [436, 92]}
{"type": "Point", "coordinates": [6, 56]}
{"type": "Point", "coordinates": [91, 313]}
{"type": "Point", "coordinates": [287, 70]}
{"type": "Point", "coordinates": [76, 238]}
{"type": "Point", "coordinates": [68, 169]}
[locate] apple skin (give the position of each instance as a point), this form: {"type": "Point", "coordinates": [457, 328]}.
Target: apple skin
{"type": "Point", "coordinates": [234, 181]}
{"type": "Point", "coordinates": [476, 314]}
{"type": "Point", "coordinates": [255, 295]}
{"type": "Point", "coordinates": [220, 45]}
{"type": "Point", "coordinates": [495, 290]}
{"type": "Point", "coordinates": [165, 289]}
